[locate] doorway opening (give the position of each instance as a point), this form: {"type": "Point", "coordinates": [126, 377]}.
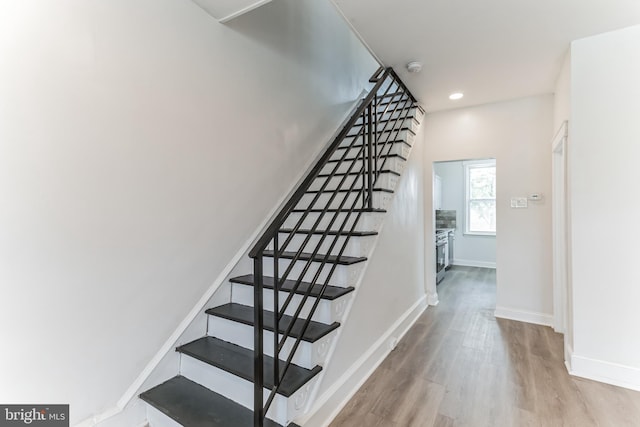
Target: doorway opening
{"type": "Point", "coordinates": [464, 217]}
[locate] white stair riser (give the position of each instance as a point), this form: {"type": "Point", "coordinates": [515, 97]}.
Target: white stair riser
{"type": "Point", "coordinates": [343, 275]}
{"type": "Point", "coordinates": [395, 164]}
{"type": "Point", "coordinates": [368, 221]}
{"type": "Point", "coordinates": [240, 390]}
{"type": "Point", "coordinates": [390, 134]}
{"type": "Point", "coordinates": [406, 121]}
{"type": "Point", "coordinates": [380, 200]}
{"type": "Point", "coordinates": [356, 246]}
{"type": "Point", "coordinates": [308, 354]}
{"type": "Point", "coordinates": [396, 135]}
{"type": "Point", "coordinates": [328, 311]}
{"type": "Point", "coordinates": [390, 113]}
{"type": "Point", "coordinates": [399, 148]}
{"type": "Point", "coordinates": [158, 419]}
{"type": "Point", "coordinates": [384, 180]}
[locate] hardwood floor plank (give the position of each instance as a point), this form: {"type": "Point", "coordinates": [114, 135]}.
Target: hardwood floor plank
{"type": "Point", "coordinates": [443, 421]}
{"type": "Point", "coordinates": [458, 366]}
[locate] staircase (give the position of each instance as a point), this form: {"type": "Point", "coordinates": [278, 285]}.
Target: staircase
{"type": "Point", "coordinates": [265, 349]}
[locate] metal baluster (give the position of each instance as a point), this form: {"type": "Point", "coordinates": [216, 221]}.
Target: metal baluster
{"type": "Point", "coordinates": [364, 158]}
{"type": "Point", "coordinates": [276, 313]}
{"type": "Point", "coordinates": [369, 160]}
{"type": "Point", "coordinates": [375, 135]}
{"type": "Point", "coordinates": [258, 356]}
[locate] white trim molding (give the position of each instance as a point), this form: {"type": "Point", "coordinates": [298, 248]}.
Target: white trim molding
{"type": "Point", "coordinates": [568, 351]}
{"type": "Point", "coordinates": [605, 372]}
{"type": "Point", "coordinates": [472, 263]}
{"type": "Point", "coordinates": [333, 400]}
{"type": "Point", "coordinates": [432, 299]}
{"type": "Point", "coordinates": [559, 222]}
{"type": "Point", "coordinates": [226, 10]}
{"type": "Point", "coordinates": [524, 316]}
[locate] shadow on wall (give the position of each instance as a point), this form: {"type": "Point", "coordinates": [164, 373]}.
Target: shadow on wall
{"type": "Point", "coordinates": [274, 24]}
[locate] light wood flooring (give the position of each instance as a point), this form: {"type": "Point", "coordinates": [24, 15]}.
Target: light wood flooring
{"type": "Point", "coordinates": [460, 366]}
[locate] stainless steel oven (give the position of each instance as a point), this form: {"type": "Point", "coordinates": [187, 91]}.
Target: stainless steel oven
{"type": "Point", "coordinates": [442, 240]}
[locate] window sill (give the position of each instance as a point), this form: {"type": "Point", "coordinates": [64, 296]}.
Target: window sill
{"type": "Point", "coordinates": [479, 233]}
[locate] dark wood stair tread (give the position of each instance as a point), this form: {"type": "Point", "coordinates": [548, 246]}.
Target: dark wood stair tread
{"type": "Point", "coordinates": [357, 210]}
{"type": "Point", "coordinates": [351, 134]}
{"type": "Point", "coordinates": [385, 122]}
{"type": "Point", "coordinates": [331, 259]}
{"type": "Point", "coordinates": [193, 405]}
{"type": "Point", "coordinates": [330, 232]}
{"type": "Point", "coordinates": [330, 292]}
{"type": "Point", "coordinates": [244, 314]}
{"type": "Point", "coordinates": [353, 190]}
{"type": "Point", "coordinates": [385, 145]}
{"type": "Point", "coordinates": [327, 175]}
{"type": "Point", "coordinates": [349, 159]}
{"type": "Point", "coordinates": [411, 115]}
{"type": "Point", "coordinates": [239, 361]}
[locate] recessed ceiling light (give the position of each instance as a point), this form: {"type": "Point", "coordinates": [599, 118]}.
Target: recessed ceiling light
{"type": "Point", "coordinates": [456, 96]}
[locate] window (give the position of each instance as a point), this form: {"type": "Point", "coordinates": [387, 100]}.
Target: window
{"type": "Point", "coordinates": [480, 206]}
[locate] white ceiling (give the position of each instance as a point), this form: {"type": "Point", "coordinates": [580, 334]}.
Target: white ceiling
{"type": "Point", "coordinates": [491, 50]}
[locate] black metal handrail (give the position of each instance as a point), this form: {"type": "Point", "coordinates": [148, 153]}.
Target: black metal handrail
{"type": "Point", "coordinates": [371, 131]}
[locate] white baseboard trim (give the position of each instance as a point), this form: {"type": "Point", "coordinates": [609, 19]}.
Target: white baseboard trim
{"type": "Point", "coordinates": [432, 299]}
{"type": "Point", "coordinates": [472, 263]}
{"type": "Point", "coordinates": [334, 399]}
{"type": "Point", "coordinates": [568, 352]}
{"type": "Point", "coordinates": [604, 372]}
{"type": "Point", "coordinates": [524, 316]}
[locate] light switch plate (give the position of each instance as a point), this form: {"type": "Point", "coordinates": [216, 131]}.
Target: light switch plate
{"type": "Point", "coordinates": [518, 202]}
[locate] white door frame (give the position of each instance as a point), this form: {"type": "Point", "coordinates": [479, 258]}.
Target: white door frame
{"type": "Point", "coordinates": [559, 218]}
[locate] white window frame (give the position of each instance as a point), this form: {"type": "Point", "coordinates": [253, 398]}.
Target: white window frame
{"type": "Point", "coordinates": [468, 165]}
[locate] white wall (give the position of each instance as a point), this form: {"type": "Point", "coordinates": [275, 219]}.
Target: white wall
{"type": "Point", "coordinates": [517, 135]}
{"type": "Point", "coordinates": [141, 144]}
{"type": "Point", "coordinates": [604, 152]}
{"type": "Point", "coordinates": [468, 249]}
{"type": "Point", "coordinates": [389, 299]}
